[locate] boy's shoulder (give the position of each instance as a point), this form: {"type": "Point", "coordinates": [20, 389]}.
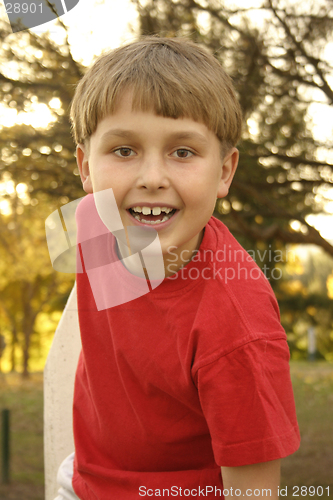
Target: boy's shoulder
{"type": "Point", "coordinates": [231, 262]}
{"type": "Point", "coordinates": [237, 304]}
{"type": "Point", "coordinates": [234, 271]}
{"type": "Point", "coordinates": [223, 266]}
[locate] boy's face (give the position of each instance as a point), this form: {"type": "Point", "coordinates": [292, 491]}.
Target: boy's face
{"type": "Point", "coordinates": [156, 162]}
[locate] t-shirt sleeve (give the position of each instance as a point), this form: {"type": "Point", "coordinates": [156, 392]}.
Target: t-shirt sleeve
{"type": "Point", "coordinates": [247, 399]}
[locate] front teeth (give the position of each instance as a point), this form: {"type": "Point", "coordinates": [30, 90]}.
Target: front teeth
{"type": "Point", "coordinates": [154, 211]}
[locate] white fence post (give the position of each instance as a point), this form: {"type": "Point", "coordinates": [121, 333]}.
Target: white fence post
{"type": "Point", "coordinates": [59, 377]}
{"type": "Point", "coordinates": [312, 343]}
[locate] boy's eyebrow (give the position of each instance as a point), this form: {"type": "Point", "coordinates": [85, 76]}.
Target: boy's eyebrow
{"type": "Point", "coordinates": [118, 132]}
{"type": "Point", "coordinates": [196, 136]}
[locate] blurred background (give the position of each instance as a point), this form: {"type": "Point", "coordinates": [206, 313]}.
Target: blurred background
{"type": "Point", "coordinates": [280, 207]}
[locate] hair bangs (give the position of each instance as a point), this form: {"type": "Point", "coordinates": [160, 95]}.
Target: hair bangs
{"type": "Point", "coordinates": [173, 78]}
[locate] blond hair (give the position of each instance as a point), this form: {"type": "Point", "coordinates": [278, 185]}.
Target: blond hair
{"type": "Point", "coordinates": [173, 77]}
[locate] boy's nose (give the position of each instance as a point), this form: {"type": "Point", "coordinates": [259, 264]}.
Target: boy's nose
{"type": "Point", "coordinates": [153, 174]}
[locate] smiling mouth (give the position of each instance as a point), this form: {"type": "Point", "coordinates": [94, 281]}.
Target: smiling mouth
{"type": "Point", "coordinates": [150, 218]}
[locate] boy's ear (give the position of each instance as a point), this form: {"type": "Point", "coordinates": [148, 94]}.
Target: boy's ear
{"type": "Point", "coordinates": [83, 165]}
{"type": "Point", "coordinates": [229, 167]}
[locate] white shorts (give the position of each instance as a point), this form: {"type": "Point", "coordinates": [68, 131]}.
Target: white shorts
{"type": "Point", "coordinates": [64, 479]}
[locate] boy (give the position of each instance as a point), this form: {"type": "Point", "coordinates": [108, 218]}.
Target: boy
{"type": "Point", "coordinates": [186, 385]}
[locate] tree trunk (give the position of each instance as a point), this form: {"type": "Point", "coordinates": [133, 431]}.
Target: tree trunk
{"type": "Point", "coordinates": [25, 373]}
{"type": "Point", "coordinates": [13, 345]}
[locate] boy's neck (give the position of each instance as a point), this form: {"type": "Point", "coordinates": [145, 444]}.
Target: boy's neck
{"type": "Point", "coordinates": [171, 266]}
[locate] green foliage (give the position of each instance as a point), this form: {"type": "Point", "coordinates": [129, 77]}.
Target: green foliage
{"type": "Point", "coordinates": [38, 174]}
{"type": "Point", "coordinates": [303, 298]}
{"type": "Point", "coordinates": [29, 287]}
{"type": "Point", "coordinates": [35, 70]}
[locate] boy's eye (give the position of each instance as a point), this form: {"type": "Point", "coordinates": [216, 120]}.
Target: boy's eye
{"type": "Point", "coordinates": [183, 153]}
{"type": "Point", "coordinates": [123, 152]}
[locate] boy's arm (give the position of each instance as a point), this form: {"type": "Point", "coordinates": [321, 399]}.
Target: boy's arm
{"type": "Point", "coordinates": [264, 477]}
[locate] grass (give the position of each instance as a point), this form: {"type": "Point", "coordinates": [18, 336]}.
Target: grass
{"type": "Point", "coordinates": [311, 465]}
{"type": "Point", "coordinates": [24, 399]}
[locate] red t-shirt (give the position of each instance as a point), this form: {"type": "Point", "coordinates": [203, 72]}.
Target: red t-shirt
{"type": "Point", "coordinates": [189, 377]}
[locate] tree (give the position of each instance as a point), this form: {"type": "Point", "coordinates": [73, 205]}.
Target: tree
{"type": "Point", "coordinates": [281, 178]}
{"type": "Point", "coordinates": [28, 284]}
{"type": "Point", "coordinates": [35, 70]}
{"type": "Point", "coordinates": [37, 174]}
{"type": "Point", "coordinates": [279, 68]}
{"type": "Point", "coordinates": [275, 69]}
{"type": "Point", "coordinates": [304, 301]}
